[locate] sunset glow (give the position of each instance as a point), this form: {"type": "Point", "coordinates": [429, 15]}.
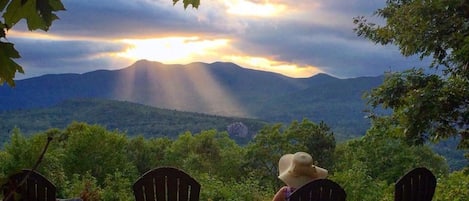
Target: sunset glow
{"type": "Point", "coordinates": [172, 49]}
{"type": "Point", "coordinates": [264, 64]}
{"type": "Point", "coordinates": [181, 50]}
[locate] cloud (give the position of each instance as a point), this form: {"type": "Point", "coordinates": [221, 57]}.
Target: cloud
{"type": "Point", "coordinates": [43, 56]}
{"type": "Point", "coordinates": [314, 35]}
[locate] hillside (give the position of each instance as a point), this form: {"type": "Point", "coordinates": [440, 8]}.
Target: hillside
{"type": "Point", "coordinates": [222, 89]}
{"type": "Point", "coordinates": [132, 118]}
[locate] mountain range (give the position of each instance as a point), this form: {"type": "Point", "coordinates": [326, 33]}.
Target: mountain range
{"type": "Point", "coordinates": [220, 88]}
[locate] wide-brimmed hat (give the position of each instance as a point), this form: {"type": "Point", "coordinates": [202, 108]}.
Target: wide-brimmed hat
{"type": "Point", "coordinates": [298, 169]}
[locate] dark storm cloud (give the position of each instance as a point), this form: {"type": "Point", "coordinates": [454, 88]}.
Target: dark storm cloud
{"type": "Point", "coordinates": [52, 56]}
{"type": "Point", "coordinates": [336, 50]}
{"type": "Point", "coordinates": [120, 19]}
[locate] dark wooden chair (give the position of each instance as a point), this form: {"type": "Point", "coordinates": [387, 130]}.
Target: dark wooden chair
{"type": "Point", "coordinates": [319, 190]}
{"type": "Point", "coordinates": [35, 188]}
{"type": "Point", "coordinates": [417, 185]}
{"type": "Point", "coordinates": [166, 184]}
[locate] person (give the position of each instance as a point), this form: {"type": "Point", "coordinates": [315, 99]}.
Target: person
{"type": "Point", "coordinates": [296, 170]}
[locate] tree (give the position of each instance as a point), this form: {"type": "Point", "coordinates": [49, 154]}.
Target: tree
{"type": "Point", "coordinates": [425, 106]}
{"type": "Point", "coordinates": [453, 188]}
{"type": "Point", "coordinates": [39, 14]}
{"type": "Point", "coordinates": [93, 149]}
{"type": "Point", "coordinates": [147, 154]}
{"type": "Point", "coordinates": [271, 142]}
{"type": "Point", "coordinates": [380, 160]}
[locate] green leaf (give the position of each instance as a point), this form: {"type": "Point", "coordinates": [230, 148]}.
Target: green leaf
{"type": "Point", "coordinates": [194, 3]}
{"type": "Point", "coordinates": [46, 9]}
{"type": "Point", "coordinates": [14, 13]}
{"type": "Point", "coordinates": [3, 4]}
{"type": "Point", "coordinates": [2, 30]}
{"type": "Point", "coordinates": [9, 67]}
{"type": "Point", "coordinates": [39, 14]}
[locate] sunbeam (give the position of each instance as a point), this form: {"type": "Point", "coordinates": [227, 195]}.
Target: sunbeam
{"type": "Point", "coordinates": [186, 88]}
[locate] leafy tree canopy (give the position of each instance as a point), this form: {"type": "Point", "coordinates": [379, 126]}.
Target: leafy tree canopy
{"type": "Point", "coordinates": [39, 14]}
{"type": "Point", "coordinates": [425, 106]}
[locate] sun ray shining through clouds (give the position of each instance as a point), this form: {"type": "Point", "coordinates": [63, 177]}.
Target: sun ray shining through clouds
{"type": "Point", "coordinates": [184, 88]}
{"type": "Point", "coordinates": [212, 94]}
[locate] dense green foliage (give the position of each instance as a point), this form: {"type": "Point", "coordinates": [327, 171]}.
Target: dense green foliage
{"type": "Point", "coordinates": [425, 106]}
{"type": "Point", "coordinates": [91, 162]}
{"type": "Point", "coordinates": [134, 119]}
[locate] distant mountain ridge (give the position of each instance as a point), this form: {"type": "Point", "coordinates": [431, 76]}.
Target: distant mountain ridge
{"type": "Point", "coordinates": [219, 88]}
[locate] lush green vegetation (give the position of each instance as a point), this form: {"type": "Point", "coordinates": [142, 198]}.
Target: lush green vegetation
{"type": "Point", "coordinates": [137, 119]}
{"type": "Point", "coordinates": [427, 106]}
{"type": "Point", "coordinates": [134, 119]}
{"type": "Point", "coordinates": [94, 163]}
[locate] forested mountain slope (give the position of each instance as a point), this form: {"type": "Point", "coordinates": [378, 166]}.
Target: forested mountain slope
{"type": "Point", "coordinates": [222, 89]}
{"type": "Point", "coordinates": [131, 118]}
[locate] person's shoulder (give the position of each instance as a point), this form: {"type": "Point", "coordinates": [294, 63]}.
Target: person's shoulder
{"type": "Point", "coordinates": [280, 195]}
{"type": "Point", "coordinates": [284, 188]}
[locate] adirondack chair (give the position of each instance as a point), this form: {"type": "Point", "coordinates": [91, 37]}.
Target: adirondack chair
{"type": "Point", "coordinates": [417, 185]}
{"type": "Point", "coordinates": [319, 190]}
{"type": "Point", "coordinates": [35, 188]}
{"type": "Point", "coordinates": [166, 184]}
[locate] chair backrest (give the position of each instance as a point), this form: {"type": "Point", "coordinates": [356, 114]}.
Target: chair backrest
{"type": "Point", "coordinates": [166, 184]}
{"type": "Point", "coordinates": [417, 185]}
{"type": "Point", "coordinates": [319, 190]}
{"type": "Point", "coordinates": [35, 188]}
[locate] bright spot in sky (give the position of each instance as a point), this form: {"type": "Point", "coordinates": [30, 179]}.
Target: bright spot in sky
{"type": "Point", "coordinates": [171, 49]}
{"type": "Point", "coordinates": [180, 50]}
{"type": "Point", "coordinates": [248, 8]}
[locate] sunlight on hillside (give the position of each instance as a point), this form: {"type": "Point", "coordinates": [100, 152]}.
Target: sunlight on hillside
{"type": "Point", "coordinates": [194, 90]}
{"type": "Point", "coordinates": [265, 64]}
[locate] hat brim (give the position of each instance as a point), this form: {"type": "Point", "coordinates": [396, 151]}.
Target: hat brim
{"type": "Point", "coordinates": [296, 181]}
{"type": "Point", "coordinates": [292, 178]}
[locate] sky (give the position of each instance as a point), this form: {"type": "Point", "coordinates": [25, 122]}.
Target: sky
{"type": "Point", "coordinates": [294, 38]}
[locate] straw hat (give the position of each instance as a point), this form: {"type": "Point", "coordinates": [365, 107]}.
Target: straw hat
{"type": "Point", "coordinates": [297, 169]}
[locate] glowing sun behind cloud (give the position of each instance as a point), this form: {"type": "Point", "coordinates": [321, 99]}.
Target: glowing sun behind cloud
{"type": "Point", "coordinates": [172, 49]}
{"type": "Point", "coordinates": [183, 50]}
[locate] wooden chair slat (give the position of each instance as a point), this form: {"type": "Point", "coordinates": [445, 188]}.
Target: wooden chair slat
{"type": "Point", "coordinates": [160, 187]}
